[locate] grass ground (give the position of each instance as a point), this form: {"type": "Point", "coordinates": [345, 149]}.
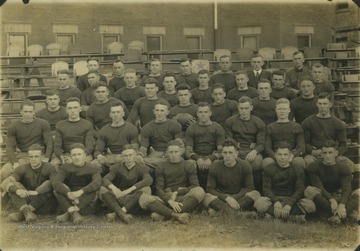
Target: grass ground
{"type": "Point", "coordinates": [231, 232]}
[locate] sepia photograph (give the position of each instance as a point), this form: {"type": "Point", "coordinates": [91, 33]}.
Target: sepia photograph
{"type": "Point", "coordinates": [180, 125]}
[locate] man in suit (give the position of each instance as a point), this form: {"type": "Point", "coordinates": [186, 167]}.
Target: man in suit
{"type": "Point", "coordinates": [82, 81]}
{"type": "Point", "coordinates": [257, 72]}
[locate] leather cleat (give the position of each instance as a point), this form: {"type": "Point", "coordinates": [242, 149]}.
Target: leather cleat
{"type": "Point", "coordinates": [63, 218]}
{"type": "Point", "coordinates": [16, 217]}
{"type": "Point", "coordinates": [77, 218]}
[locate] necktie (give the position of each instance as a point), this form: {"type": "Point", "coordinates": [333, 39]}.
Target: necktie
{"type": "Point", "coordinates": [257, 75]}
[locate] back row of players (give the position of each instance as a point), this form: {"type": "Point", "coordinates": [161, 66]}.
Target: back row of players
{"type": "Point", "coordinates": [257, 122]}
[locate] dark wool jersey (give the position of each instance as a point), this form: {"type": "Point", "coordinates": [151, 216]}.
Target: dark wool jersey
{"type": "Point", "coordinates": [317, 130]}
{"type": "Point", "coordinates": [285, 92]}
{"type": "Point", "coordinates": [124, 178]}
{"type": "Point", "coordinates": [171, 176]}
{"type": "Point", "coordinates": [293, 76]}
{"type": "Point", "coordinates": [87, 97]}
{"type": "Point", "coordinates": [223, 111]}
{"type": "Point", "coordinates": [31, 178]}
{"type": "Point", "coordinates": [157, 135]}
{"type": "Point", "coordinates": [83, 83]}
{"type": "Point", "coordinates": [246, 132]}
{"type": "Point", "coordinates": [191, 80]}
{"type": "Point", "coordinates": [86, 178]}
{"type": "Point", "coordinates": [235, 93]}
{"type": "Point", "coordinates": [201, 95]}
{"type": "Point", "coordinates": [114, 138]}
{"type": "Point", "coordinates": [302, 108]}
{"type": "Point", "coordinates": [264, 109]}
{"type": "Point", "coordinates": [129, 96]}
{"type": "Point", "coordinates": [279, 181]}
{"type": "Point", "coordinates": [323, 86]}
{"type": "Point", "coordinates": [331, 179]}
{"type": "Point", "coordinates": [190, 109]}
{"type": "Point", "coordinates": [235, 181]}
{"type": "Point", "coordinates": [143, 107]}
{"type": "Point", "coordinates": [116, 84]}
{"type": "Point", "coordinates": [69, 132]}
{"type": "Point", "coordinates": [69, 92]}
{"type": "Point", "coordinates": [159, 80]}
{"type": "Point", "coordinates": [290, 132]}
{"type": "Point", "coordinates": [204, 139]}
{"type": "Point", "coordinates": [228, 79]}
{"type": "Point", "coordinates": [23, 135]}
{"type": "Point", "coordinates": [99, 114]}
{"type": "Point", "coordinates": [171, 98]}
{"type": "Point", "coordinates": [52, 117]}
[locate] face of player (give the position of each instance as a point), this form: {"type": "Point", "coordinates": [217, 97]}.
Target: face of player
{"type": "Point", "coordinates": [35, 158]}
{"type": "Point", "coordinates": [117, 113]}
{"type": "Point", "coordinates": [298, 60]}
{"type": "Point", "coordinates": [27, 114]}
{"type": "Point", "coordinates": [283, 157]}
{"type": "Point", "coordinates": [161, 112]}
{"type": "Point", "coordinates": [184, 97]}
{"type": "Point", "coordinates": [307, 88]}
{"type": "Point", "coordinates": [118, 68]}
{"type": "Point", "coordinates": [93, 65]}
{"type": "Point", "coordinates": [317, 74]}
{"type": "Point", "coordinates": [52, 102]}
{"type": "Point", "coordinates": [282, 111]}
{"type": "Point", "coordinates": [204, 114]}
{"type": "Point", "coordinates": [218, 95]}
{"type": "Point", "coordinates": [329, 155]}
{"type": "Point", "coordinates": [264, 90]}
{"type": "Point", "coordinates": [155, 67]}
{"type": "Point", "coordinates": [324, 106]}
{"type": "Point", "coordinates": [93, 79]}
{"type": "Point", "coordinates": [130, 79]}
{"type": "Point", "coordinates": [151, 90]}
{"type": "Point", "coordinates": [174, 154]}
{"type": "Point", "coordinates": [257, 63]}
{"type": "Point", "coordinates": [242, 81]}
{"type": "Point", "coordinates": [278, 81]}
{"type": "Point", "coordinates": [129, 157]}
{"type": "Point", "coordinates": [78, 156]}
{"type": "Point", "coordinates": [203, 80]}
{"type": "Point", "coordinates": [185, 68]}
{"type": "Point", "coordinates": [101, 94]}
{"type": "Point", "coordinates": [169, 84]}
{"type": "Point", "coordinates": [63, 80]}
{"type": "Point", "coordinates": [73, 110]}
{"type": "Point", "coordinates": [225, 64]}
{"type": "Point", "coordinates": [245, 110]}
{"type": "Point", "coordinates": [229, 154]}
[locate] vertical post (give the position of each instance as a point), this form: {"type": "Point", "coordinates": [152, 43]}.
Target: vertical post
{"type": "Point", "coordinates": [215, 24]}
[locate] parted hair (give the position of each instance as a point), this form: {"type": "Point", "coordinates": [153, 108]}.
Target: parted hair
{"type": "Point", "coordinates": [26, 102]}
{"type": "Point", "coordinates": [203, 71]}
{"type": "Point", "coordinates": [230, 142]}
{"type": "Point", "coordinates": [36, 147]}
{"type": "Point", "coordinates": [245, 99]}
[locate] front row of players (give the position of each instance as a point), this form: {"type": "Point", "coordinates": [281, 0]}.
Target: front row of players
{"type": "Point", "coordinates": [125, 190]}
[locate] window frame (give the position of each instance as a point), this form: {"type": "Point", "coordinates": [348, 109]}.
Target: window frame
{"type": "Point", "coordinates": [103, 48]}
{"type": "Point", "coordinates": [242, 36]}
{"type": "Point", "coordinates": [73, 38]}
{"type": "Point", "coordinates": [309, 35]}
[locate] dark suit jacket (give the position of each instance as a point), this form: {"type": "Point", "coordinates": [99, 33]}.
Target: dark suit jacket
{"type": "Point", "coordinates": [253, 81]}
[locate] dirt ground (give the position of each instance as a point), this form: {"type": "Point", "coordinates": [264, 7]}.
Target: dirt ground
{"type": "Point", "coordinates": [201, 233]}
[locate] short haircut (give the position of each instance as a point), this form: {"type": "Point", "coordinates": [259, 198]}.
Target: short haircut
{"type": "Point", "coordinates": [73, 99]}
{"type": "Point", "coordinates": [150, 81]}
{"type": "Point", "coordinates": [306, 78]}
{"type": "Point", "coordinates": [317, 65]}
{"type": "Point", "coordinates": [204, 104]}
{"type": "Point", "coordinates": [77, 145]}
{"type": "Point", "coordinates": [27, 102]}
{"type": "Point", "coordinates": [218, 86]}
{"type": "Point", "coordinates": [224, 56]}
{"type": "Point", "coordinates": [330, 143]}
{"type": "Point", "coordinates": [257, 56]}
{"type": "Point", "coordinates": [100, 84]}
{"type": "Point", "coordinates": [167, 75]}
{"type": "Point", "coordinates": [281, 145]}
{"type": "Point", "coordinates": [324, 95]}
{"type": "Point", "coordinates": [264, 80]}
{"type": "Point", "coordinates": [130, 70]}
{"type": "Point", "coordinates": [118, 61]}
{"type": "Point", "coordinates": [245, 99]}
{"type": "Point", "coordinates": [128, 147]}
{"type": "Point", "coordinates": [174, 143]}
{"type": "Point", "coordinates": [51, 93]}
{"type": "Point", "coordinates": [63, 71]}
{"type": "Point", "coordinates": [203, 71]}
{"type": "Point", "coordinates": [297, 53]}
{"type": "Point", "coordinates": [162, 102]}
{"type": "Point", "coordinates": [92, 59]}
{"type": "Point", "coordinates": [278, 73]}
{"type": "Point", "coordinates": [182, 60]}
{"type": "Point", "coordinates": [182, 87]}
{"type": "Point", "coordinates": [116, 105]}
{"type": "Point", "coordinates": [230, 142]}
{"type": "Point", "coordinates": [242, 73]}
{"type": "Point", "coordinates": [94, 71]}
{"type": "Point", "coordinates": [36, 147]}
{"type": "Point", "coordinates": [155, 60]}
{"type": "Point", "coordinates": [282, 101]}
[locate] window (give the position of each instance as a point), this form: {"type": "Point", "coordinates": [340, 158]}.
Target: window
{"type": "Point", "coordinates": [303, 41]}
{"type": "Point", "coordinates": [193, 43]}
{"type": "Point", "coordinates": [65, 40]}
{"type": "Point", "coordinates": [342, 6]}
{"type": "Point", "coordinates": [110, 33]}
{"type": "Point", "coordinates": [65, 34]}
{"type": "Point", "coordinates": [18, 39]}
{"type": "Point", "coordinates": [154, 43]}
{"type": "Point", "coordinates": [108, 39]}
{"type": "Point", "coordinates": [249, 36]}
